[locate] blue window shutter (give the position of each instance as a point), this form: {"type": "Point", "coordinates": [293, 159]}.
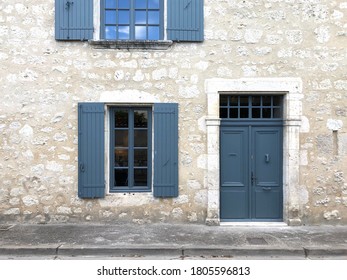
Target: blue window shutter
{"type": "Point", "coordinates": [91, 149]}
{"type": "Point", "coordinates": [165, 150]}
{"type": "Point", "coordinates": [185, 20]}
{"type": "Point", "coordinates": [73, 19]}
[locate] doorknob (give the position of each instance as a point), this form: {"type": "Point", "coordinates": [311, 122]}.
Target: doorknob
{"type": "Point", "coordinates": [267, 158]}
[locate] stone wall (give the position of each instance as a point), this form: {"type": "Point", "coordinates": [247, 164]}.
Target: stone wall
{"type": "Point", "coordinates": [41, 81]}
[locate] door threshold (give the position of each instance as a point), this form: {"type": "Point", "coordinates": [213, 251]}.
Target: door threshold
{"type": "Point", "coordinates": [254, 224]}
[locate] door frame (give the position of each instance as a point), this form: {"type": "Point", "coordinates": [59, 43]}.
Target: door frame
{"type": "Point", "coordinates": [291, 89]}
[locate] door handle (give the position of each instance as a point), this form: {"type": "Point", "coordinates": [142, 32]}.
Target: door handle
{"type": "Point", "coordinates": [267, 158]}
{"type": "Point", "coordinates": [82, 167]}
{"type": "Point", "coordinates": [266, 189]}
{"type": "Point", "coordinates": [253, 178]}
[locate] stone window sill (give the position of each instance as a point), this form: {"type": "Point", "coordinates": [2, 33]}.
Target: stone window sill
{"type": "Point", "coordinates": [131, 45]}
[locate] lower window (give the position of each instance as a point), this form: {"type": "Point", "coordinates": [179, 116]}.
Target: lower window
{"type": "Point", "coordinates": [130, 149]}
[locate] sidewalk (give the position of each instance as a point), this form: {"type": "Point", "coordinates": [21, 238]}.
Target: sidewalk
{"type": "Point", "coordinates": [173, 241]}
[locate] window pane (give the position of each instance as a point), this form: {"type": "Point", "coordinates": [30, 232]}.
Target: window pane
{"type": "Point", "coordinates": [140, 4]}
{"type": "Point", "coordinates": [121, 118]}
{"type": "Point", "coordinates": [120, 177]}
{"type": "Point", "coordinates": [121, 138]}
{"type": "Point", "coordinates": [153, 17]}
{"type": "Point", "coordinates": [140, 177]}
{"type": "Point", "coordinates": [153, 33]}
{"type": "Point", "coordinates": [256, 100]}
{"type": "Point", "coordinates": [123, 32]}
{"type": "Point", "coordinates": [244, 113]}
{"type": "Point", "coordinates": [123, 17]}
{"type": "Point", "coordinates": [110, 4]}
{"type": "Point", "coordinates": [123, 4]}
{"type": "Point", "coordinates": [277, 113]}
{"type": "Point", "coordinates": [266, 100]}
{"type": "Point", "coordinates": [153, 4]}
{"type": "Point", "coordinates": [223, 100]}
{"type": "Point", "coordinates": [234, 101]}
{"type": "Point", "coordinates": [277, 100]}
{"type": "Point", "coordinates": [110, 33]}
{"type": "Point", "coordinates": [244, 101]}
{"type": "Point", "coordinates": [140, 158]}
{"type": "Point", "coordinates": [121, 158]}
{"type": "Point", "coordinates": [223, 113]}
{"type": "Point", "coordinates": [256, 113]}
{"type": "Point", "coordinates": [234, 113]}
{"type": "Point", "coordinates": [140, 17]}
{"type": "Point", "coordinates": [110, 17]}
{"type": "Point", "coordinates": [266, 113]}
{"type": "Point", "coordinates": [140, 138]}
{"type": "Point", "coordinates": [140, 33]}
{"type": "Point", "coordinates": [141, 118]}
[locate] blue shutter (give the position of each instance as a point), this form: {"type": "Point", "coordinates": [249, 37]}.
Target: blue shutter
{"type": "Point", "coordinates": [165, 150]}
{"type": "Point", "coordinates": [91, 149]}
{"type": "Point", "coordinates": [185, 20]}
{"type": "Point", "coordinates": [73, 19]}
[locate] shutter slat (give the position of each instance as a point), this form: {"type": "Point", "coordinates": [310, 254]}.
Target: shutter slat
{"type": "Point", "coordinates": [91, 171]}
{"type": "Point", "coordinates": [185, 20]}
{"type": "Point", "coordinates": [165, 150]}
{"type": "Point", "coordinates": [75, 20]}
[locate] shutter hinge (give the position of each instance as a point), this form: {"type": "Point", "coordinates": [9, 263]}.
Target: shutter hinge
{"type": "Point", "coordinates": [68, 4]}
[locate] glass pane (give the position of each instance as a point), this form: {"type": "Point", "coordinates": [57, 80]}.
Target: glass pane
{"type": "Point", "coordinates": [140, 17]}
{"type": "Point", "coordinates": [153, 17]}
{"type": "Point", "coordinates": [141, 118]}
{"type": "Point", "coordinates": [121, 158]}
{"type": "Point", "coordinates": [123, 4]}
{"type": "Point", "coordinates": [140, 177]}
{"type": "Point", "coordinates": [153, 33]}
{"type": "Point", "coordinates": [140, 33]}
{"type": "Point", "coordinates": [243, 100]}
{"type": "Point", "coordinates": [140, 138]}
{"type": "Point", "coordinates": [255, 100]}
{"type": "Point", "coordinates": [121, 118]}
{"type": "Point", "coordinates": [277, 100]}
{"type": "Point", "coordinates": [123, 32]}
{"type": "Point", "coordinates": [266, 100]}
{"type": "Point", "coordinates": [140, 4]}
{"type": "Point", "coordinates": [234, 101]}
{"type": "Point", "coordinates": [120, 177]}
{"type": "Point", "coordinates": [121, 138]}
{"type": "Point", "coordinates": [140, 158]}
{"type": "Point", "coordinates": [153, 4]}
{"type": "Point", "coordinates": [110, 4]}
{"type": "Point", "coordinates": [234, 113]}
{"type": "Point", "coordinates": [244, 113]}
{"type": "Point", "coordinates": [223, 100]}
{"type": "Point", "coordinates": [110, 33]}
{"type": "Point", "coordinates": [256, 113]}
{"type": "Point", "coordinates": [266, 113]}
{"type": "Point", "coordinates": [110, 17]}
{"type": "Point", "coordinates": [223, 113]}
{"type": "Point", "coordinates": [123, 17]}
{"type": "Point", "coordinates": [277, 113]}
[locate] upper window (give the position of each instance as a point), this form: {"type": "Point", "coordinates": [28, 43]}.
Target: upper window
{"type": "Point", "coordinates": [132, 19]}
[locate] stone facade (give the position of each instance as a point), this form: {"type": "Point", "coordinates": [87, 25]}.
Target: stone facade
{"type": "Point", "coordinates": [247, 45]}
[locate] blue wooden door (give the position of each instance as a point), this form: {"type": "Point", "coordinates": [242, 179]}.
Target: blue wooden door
{"type": "Point", "coordinates": [251, 173]}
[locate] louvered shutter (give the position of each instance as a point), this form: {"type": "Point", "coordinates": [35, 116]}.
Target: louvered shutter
{"type": "Point", "coordinates": [185, 20]}
{"type": "Point", "coordinates": [165, 150]}
{"type": "Point", "coordinates": [73, 20]}
{"type": "Point", "coordinates": [91, 149]}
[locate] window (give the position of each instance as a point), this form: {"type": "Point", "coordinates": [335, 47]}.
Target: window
{"type": "Point", "coordinates": [129, 20]}
{"type": "Point", "coordinates": [130, 149]}
{"type": "Point", "coordinates": [132, 19]}
{"type": "Point", "coordinates": [130, 153]}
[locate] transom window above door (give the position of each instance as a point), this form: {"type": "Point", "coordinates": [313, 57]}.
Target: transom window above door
{"type": "Point", "coordinates": [132, 19]}
{"type": "Point", "coordinates": [251, 107]}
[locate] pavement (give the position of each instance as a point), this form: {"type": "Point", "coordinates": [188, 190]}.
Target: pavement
{"type": "Point", "coordinates": [171, 241]}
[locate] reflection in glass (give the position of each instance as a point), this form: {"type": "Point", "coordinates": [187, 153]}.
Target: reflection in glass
{"type": "Point", "coordinates": [123, 17]}
{"type": "Point", "coordinates": [140, 138]}
{"type": "Point", "coordinates": [121, 138]}
{"type": "Point", "coordinates": [121, 118]}
{"type": "Point", "coordinates": [141, 118]}
{"type": "Point", "coordinates": [121, 157]}
{"type": "Point", "coordinates": [110, 4]}
{"type": "Point", "coordinates": [140, 33]}
{"type": "Point", "coordinates": [153, 4]}
{"type": "Point", "coordinates": [140, 158]}
{"type": "Point", "coordinates": [140, 4]}
{"type": "Point", "coordinates": [140, 17]}
{"type": "Point", "coordinates": [153, 33]}
{"type": "Point", "coordinates": [123, 33]}
{"type": "Point", "coordinates": [123, 4]}
{"type": "Point", "coordinates": [140, 177]}
{"type": "Point", "coordinates": [153, 17]}
{"type": "Point", "coordinates": [110, 17]}
{"type": "Point", "coordinates": [110, 32]}
{"type": "Point", "coordinates": [121, 177]}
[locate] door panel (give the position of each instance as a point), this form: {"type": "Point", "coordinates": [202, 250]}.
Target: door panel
{"type": "Point", "coordinates": [251, 173]}
{"type": "Point", "coordinates": [234, 179]}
